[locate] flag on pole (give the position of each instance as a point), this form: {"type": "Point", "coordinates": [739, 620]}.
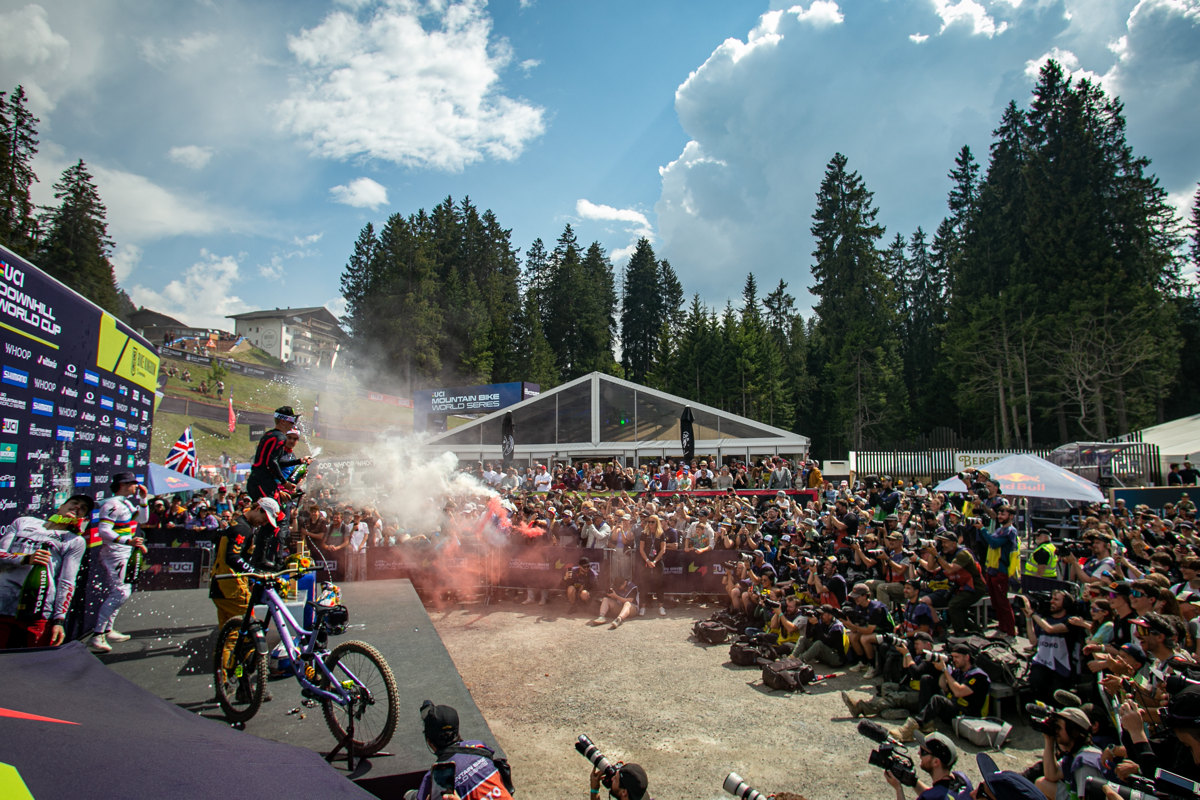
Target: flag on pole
{"type": "Point", "coordinates": [182, 457]}
{"type": "Point", "coordinates": [232, 416]}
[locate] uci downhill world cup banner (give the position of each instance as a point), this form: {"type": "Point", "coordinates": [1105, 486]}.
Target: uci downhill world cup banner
{"type": "Point", "coordinates": [76, 393]}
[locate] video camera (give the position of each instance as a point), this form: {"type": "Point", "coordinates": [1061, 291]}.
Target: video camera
{"type": "Point", "coordinates": [1079, 548]}
{"type": "Point", "coordinates": [890, 755]}
{"type": "Point", "coordinates": [1040, 602]}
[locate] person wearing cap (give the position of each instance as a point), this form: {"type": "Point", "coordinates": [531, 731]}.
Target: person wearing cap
{"type": "Point", "coordinates": [966, 578]}
{"type": "Point", "coordinates": [1157, 637]}
{"type": "Point", "coordinates": [1068, 757]}
{"type": "Point", "coordinates": [866, 621]}
{"type": "Point", "coordinates": [1050, 668]}
{"type": "Point", "coordinates": [904, 696]}
{"type": "Point", "coordinates": [824, 639]}
{"type": "Point", "coordinates": [628, 783]}
{"type": "Point", "coordinates": [271, 458]}
{"type": "Point", "coordinates": [56, 544]}
{"type": "Point", "coordinates": [700, 534]}
{"type": "Point", "coordinates": [235, 554]}
{"type": "Point", "coordinates": [961, 690]}
{"type": "Point", "coordinates": [995, 784]}
{"type": "Point", "coordinates": [579, 579]}
{"type": "Point", "coordinates": [120, 516]}
{"type": "Point", "coordinates": [1042, 561]}
{"type": "Point", "coordinates": [477, 771]}
{"type": "Point", "coordinates": [937, 756]}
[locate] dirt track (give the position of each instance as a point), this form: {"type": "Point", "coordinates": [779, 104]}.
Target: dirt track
{"type": "Point", "coordinates": [646, 693]}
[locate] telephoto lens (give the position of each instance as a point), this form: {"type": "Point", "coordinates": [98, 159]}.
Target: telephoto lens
{"type": "Point", "coordinates": [740, 789]}
{"type": "Point", "coordinates": [587, 748]}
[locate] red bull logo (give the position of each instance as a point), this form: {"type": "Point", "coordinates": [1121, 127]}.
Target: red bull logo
{"type": "Point", "coordinates": [1020, 477]}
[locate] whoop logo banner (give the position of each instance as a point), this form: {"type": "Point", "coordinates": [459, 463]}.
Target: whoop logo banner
{"type": "Point", "coordinates": [61, 356]}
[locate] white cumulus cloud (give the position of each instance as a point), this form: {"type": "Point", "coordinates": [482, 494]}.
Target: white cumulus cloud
{"type": "Point", "coordinates": [969, 13]}
{"type": "Point", "coordinates": [34, 56]}
{"type": "Point", "coordinates": [821, 13]}
{"type": "Point", "coordinates": [411, 83]}
{"type": "Point", "coordinates": [360, 193]}
{"type": "Point", "coordinates": [124, 259]}
{"type": "Point", "coordinates": [191, 156]}
{"type": "Point", "coordinates": [635, 221]}
{"type": "Point", "coordinates": [203, 295]}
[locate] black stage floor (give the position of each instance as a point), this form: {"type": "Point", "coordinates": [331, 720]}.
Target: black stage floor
{"type": "Point", "coordinates": [171, 656]}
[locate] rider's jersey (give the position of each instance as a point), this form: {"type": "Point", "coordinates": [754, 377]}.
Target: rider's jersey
{"type": "Point", "coordinates": [26, 535]}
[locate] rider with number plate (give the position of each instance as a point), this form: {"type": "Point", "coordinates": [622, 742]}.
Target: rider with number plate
{"type": "Point", "coordinates": [235, 553]}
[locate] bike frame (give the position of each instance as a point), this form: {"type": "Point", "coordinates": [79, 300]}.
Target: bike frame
{"type": "Point", "coordinates": [287, 624]}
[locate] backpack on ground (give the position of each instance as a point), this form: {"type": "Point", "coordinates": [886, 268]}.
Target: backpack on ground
{"type": "Point", "coordinates": [1002, 663]}
{"type": "Point", "coordinates": [976, 643]}
{"type": "Point", "coordinates": [711, 632]}
{"type": "Point", "coordinates": [745, 652]}
{"type": "Point", "coordinates": [788, 674]}
{"type": "Point", "coordinates": [982, 731]}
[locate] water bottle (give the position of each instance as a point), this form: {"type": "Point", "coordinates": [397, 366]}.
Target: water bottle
{"type": "Point", "coordinates": [35, 592]}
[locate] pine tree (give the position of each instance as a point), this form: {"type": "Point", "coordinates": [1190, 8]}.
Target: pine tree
{"type": "Point", "coordinates": [863, 393]}
{"type": "Point", "coordinates": [18, 142]}
{"type": "Point", "coordinates": [642, 313]}
{"type": "Point", "coordinates": [76, 246]}
{"type": "Point", "coordinates": [598, 312]}
{"type": "Point", "coordinates": [360, 284]}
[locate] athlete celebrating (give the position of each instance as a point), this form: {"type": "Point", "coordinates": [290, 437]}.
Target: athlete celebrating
{"type": "Point", "coordinates": [272, 458]}
{"type": "Point", "coordinates": [56, 544]}
{"type": "Point", "coordinates": [119, 517]}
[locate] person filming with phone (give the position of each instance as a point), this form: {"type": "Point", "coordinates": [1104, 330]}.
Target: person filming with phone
{"type": "Point", "coordinates": [465, 770]}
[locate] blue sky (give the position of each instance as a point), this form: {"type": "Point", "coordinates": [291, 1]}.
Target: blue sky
{"type": "Point", "coordinates": [241, 146]}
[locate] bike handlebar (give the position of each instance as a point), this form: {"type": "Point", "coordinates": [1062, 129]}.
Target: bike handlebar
{"type": "Point", "coordinates": [267, 576]}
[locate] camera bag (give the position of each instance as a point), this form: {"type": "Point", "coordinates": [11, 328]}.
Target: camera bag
{"type": "Point", "coordinates": [711, 632]}
{"type": "Point", "coordinates": [982, 731]}
{"type": "Point", "coordinates": [1002, 663]}
{"type": "Point", "coordinates": [746, 653]}
{"type": "Point", "coordinates": [788, 674]}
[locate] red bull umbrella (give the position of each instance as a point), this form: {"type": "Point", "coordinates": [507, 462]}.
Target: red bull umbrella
{"type": "Point", "coordinates": [1024, 475]}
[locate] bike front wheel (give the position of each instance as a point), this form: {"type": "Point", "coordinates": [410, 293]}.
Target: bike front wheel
{"type": "Point", "coordinates": [363, 673]}
{"type": "Point", "coordinates": [239, 672]}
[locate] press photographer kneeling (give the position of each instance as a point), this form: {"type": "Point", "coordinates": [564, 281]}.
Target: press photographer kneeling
{"type": "Point", "coordinates": [623, 781]}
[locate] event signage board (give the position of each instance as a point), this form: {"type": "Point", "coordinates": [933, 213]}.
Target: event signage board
{"type": "Point", "coordinates": [432, 405]}
{"type": "Point", "coordinates": [975, 458]}
{"type": "Point", "coordinates": [76, 393]}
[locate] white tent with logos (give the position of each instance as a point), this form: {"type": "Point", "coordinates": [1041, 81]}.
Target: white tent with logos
{"type": "Point", "coordinates": [1024, 475]}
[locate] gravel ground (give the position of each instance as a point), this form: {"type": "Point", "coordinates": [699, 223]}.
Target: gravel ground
{"type": "Point", "coordinates": [648, 693]}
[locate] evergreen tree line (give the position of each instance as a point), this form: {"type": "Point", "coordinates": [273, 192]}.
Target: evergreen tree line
{"type": "Point", "coordinates": [69, 240]}
{"type": "Point", "coordinates": [1047, 306]}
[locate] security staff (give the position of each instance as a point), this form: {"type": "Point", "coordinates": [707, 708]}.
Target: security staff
{"type": "Point", "coordinates": [1043, 560]}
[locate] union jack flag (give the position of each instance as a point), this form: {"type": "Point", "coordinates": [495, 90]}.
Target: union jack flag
{"type": "Point", "coordinates": [182, 457]}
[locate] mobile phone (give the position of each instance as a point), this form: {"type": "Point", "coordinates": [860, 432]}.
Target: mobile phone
{"type": "Point", "coordinates": [442, 776]}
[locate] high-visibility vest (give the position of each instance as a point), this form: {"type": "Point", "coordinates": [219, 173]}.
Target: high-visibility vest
{"type": "Point", "coordinates": [1047, 570]}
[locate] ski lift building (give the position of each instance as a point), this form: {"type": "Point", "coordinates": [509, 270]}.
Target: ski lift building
{"type": "Point", "coordinates": [597, 417]}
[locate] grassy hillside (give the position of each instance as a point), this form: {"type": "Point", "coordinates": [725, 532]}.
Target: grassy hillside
{"type": "Point", "coordinates": [213, 438]}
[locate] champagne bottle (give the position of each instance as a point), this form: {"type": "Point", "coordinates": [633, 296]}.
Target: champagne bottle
{"type": "Point", "coordinates": [298, 474]}
{"type": "Point", "coordinates": [135, 566]}
{"type": "Point", "coordinates": [35, 592]}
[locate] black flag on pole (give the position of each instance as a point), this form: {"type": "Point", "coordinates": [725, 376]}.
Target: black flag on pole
{"type": "Point", "coordinates": [507, 441]}
{"type": "Point", "coordinates": [687, 438]}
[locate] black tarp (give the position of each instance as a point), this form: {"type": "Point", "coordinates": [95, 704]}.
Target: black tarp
{"type": "Point", "coordinates": [127, 743]}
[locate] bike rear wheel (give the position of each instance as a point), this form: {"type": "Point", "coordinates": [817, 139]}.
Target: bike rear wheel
{"type": "Point", "coordinates": [365, 674]}
{"type": "Point", "coordinates": [239, 672]}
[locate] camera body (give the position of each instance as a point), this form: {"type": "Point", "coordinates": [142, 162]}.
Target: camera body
{"type": "Point", "coordinates": [888, 759]}
{"type": "Point", "coordinates": [1041, 717]}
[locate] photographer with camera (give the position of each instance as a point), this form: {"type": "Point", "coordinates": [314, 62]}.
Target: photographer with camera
{"type": "Point", "coordinates": [1100, 568]}
{"type": "Point", "coordinates": [623, 598]}
{"type": "Point", "coordinates": [1048, 628]}
{"type": "Point", "coordinates": [961, 568]}
{"type": "Point", "coordinates": [963, 691]}
{"type": "Point", "coordinates": [903, 696]}
{"type": "Point", "coordinates": [824, 639]}
{"type": "Point", "coordinates": [623, 781]}
{"type": "Point", "coordinates": [476, 770]}
{"type": "Point", "coordinates": [578, 580]}
{"type": "Point", "coordinates": [868, 618]}
{"type": "Point", "coordinates": [937, 757]}
{"type": "Point", "coordinates": [1068, 757]}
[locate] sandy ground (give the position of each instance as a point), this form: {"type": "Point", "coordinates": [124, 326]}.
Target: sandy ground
{"type": "Point", "coordinates": [647, 693]}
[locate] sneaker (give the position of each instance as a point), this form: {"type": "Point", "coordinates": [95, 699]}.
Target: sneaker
{"type": "Point", "coordinates": [859, 667]}
{"type": "Point", "coordinates": [871, 673]}
{"type": "Point", "coordinates": [99, 644]}
{"type": "Point", "coordinates": [641, 612]}
{"type": "Point", "coordinates": [117, 636]}
{"type": "Point", "coordinates": [662, 611]}
{"type": "Point", "coordinates": [596, 621]}
{"type": "Point", "coordinates": [616, 623]}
